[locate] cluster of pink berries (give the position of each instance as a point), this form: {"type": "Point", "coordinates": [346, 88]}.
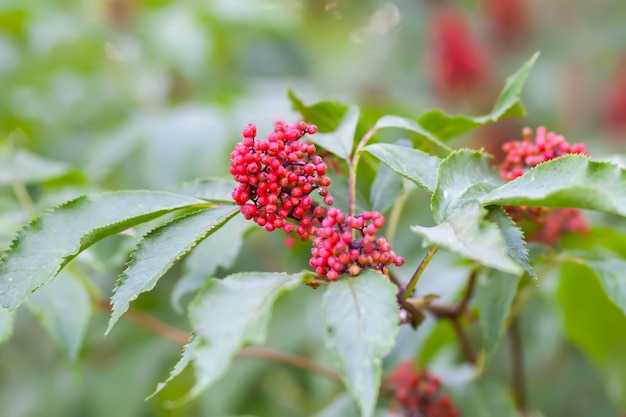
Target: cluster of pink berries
{"type": "Point", "coordinates": [525, 154]}
{"type": "Point", "coordinates": [336, 250]}
{"type": "Point", "coordinates": [416, 393]}
{"type": "Point", "coordinates": [276, 177]}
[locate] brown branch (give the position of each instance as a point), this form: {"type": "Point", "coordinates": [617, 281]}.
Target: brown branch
{"type": "Point", "coordinates": [182, 338]}
{"type": "Point", "coordinates": [466, 343]}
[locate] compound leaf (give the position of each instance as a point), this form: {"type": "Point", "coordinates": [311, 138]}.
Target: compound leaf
{"type": "Point", "coordinates": [160, 249]}
{"type": "Point", "coordinates": [46, 244]}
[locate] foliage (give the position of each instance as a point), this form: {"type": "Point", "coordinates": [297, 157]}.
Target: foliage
{"type": "Point", "coordinates": [363, 304]}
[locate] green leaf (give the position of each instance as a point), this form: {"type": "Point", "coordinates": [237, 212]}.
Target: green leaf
{"type": "Point", "coordinates": [361, 315]}
{"type": "Point", "coordinates": [414, 165]}
{"type": "Point", "coordinates": [468, 235]}
{"type": "Point", "coordinates": [46, 244]}
{"type": "Point", "coordinates": [160, 249]}
{"type": "Point", "coordinates": [185, 359]}
{"type": "Point", "coordinates": [594, 324]}
{"type": "Point", "coordinates": [212, 189]}
{"type": "Point", "coordinates": [427, 141]}
{"type": "Point", "coordinates": [63, 307]}
{"type": "Point", "coordinates": [464, 175]}
{"type": "Point", "coordinates": [516, 246]}
{"type": "Point", "coordinates": [570, 181]}
{"type": "Point", "coordinates": [7, 317]}
{"type": "Point", "coordinates": [386, 189]}
{"type": "Point", "coordinates": [494, 296]}
{"type": "Point", "coordinates": [341, 140]}
{"type": "Point", "coordinates": [326, 115]}
{"type": "Point", "coordinates": [446, 127]}
{"type": "Point", "coordinates": [611, 276]}
{"type": "Point", "coordinates": [486, 398]}
{"type": "Point", "coordinates": [228, 314]}
{"type": "Point", "coordinates": [21, 166]}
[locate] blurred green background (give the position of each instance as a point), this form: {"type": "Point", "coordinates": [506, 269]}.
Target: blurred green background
{"type": "Point", "coordinates": [146, 94]}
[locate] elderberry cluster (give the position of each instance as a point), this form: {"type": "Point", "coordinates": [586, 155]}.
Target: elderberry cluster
{"type": "Point", "coordinates": [336, 250]}
{"type": "Point", "coordinates": [523, 155]}
{"type": "Point", "coordinates": [416, 393]}
{"type": "Point", "coordinates": [276, 177]}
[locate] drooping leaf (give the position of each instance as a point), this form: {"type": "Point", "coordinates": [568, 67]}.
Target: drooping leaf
{"type": "Point", "coordinates": [212, 189]}
{"type": "Point", "coordinates": [494, 296]}
{"type": "Point", "coordinates": [594, 324]}
{"type": "Point", "coordinates": [7, 317]}
{"type": "Point", "coordinates": [486, 398]}
{"type": "Point", "coordinates": [446, 127]}
{"type": "Point", "coordinates": [611, 274]}
{"type": "Point", "coordinates": [63, 307]}
{"type": "Point", "coordinates": [228, 314]}
{"type": "Point", "coordinates": [467, 234]}
{"type": "Point", "coordinates": [341, 140]}
{"type": "Point", "coordinates": [464, 175]}
{"type": "Point", "coordinates": [46, 244]}
{"type": "Point", "coordinates": [160, 249]}
{"type": "Point", "coordinates": [513, 237]}
{"type": "Point", "coordinates": [386, 189]}
{"type": "Point", "coordinates": [415, 165]}
{"type": "Point", "coordinates": [183, 362]}
{"type": "Point", "coordinates": [21, 166]}
{"type": "Point", "coordinates": [361, 315]}
{"type": "Point", "coordinates": [218, 252]}
{"type": "Point", "coordinates": [427, 141]}
{"type": "Point", "coordinates": [570, 181]}
{"type": "Point", "coordinates": [326, 115]}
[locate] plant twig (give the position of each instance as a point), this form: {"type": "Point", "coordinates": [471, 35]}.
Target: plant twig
{"type": "Point", "coordinates": [179, 337]}
{"type": "Point", "coordinates": [466, 343]}
{"type": "Point", "coordinates": [517, 368]}
{"type": "Point", "coordinates": [418, 272]}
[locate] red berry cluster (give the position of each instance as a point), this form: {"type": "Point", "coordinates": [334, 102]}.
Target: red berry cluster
{"type": "Point", "coordinates": [525, 154]}
{"type": "Point", "coordinates": [458, 60]}
{"type": "Point", "coordinates": [416, 393]}
{"type": "Point", "coordinates": [336, 250]}
{"type": "Point", "coordinates": [276, 177]}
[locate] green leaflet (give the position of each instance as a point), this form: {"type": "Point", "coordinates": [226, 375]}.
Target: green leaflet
{"type": "Point", "coordinates": [463, 176]}
{"type": "Point", "coordinates": [468, 235]}
{"type": "Point", "coordinates": [494, 295]}
{"type": "Point", "coordinates": [7, 317]}
{"type": "Point", "coordinates": [414, 165]}
{"type": "Point", "coordinates": [569, 181]}
{"type": "Point", "coordinates": [160, 249]}
{"type": "Point", "coordinates": [63, 307]}
{"type": "Point", "coordinates": [446, 127]}
{"type": "Point", "coordinates": [230, 313]}
{"type": "Point", "coordinates": [46, 244]}
{"type": "Point", "coordinates": [361, 315]}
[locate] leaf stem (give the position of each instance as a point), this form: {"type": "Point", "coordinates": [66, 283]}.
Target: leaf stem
{"type": "Point", "coordinates": [21, 193]}
{"type": "Point", "coordinates": [517, 369]}
{"type": "Point", "coordinates": [418, 273]}
{"type": "Point", "coordinates": [352, 166]}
